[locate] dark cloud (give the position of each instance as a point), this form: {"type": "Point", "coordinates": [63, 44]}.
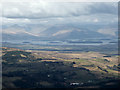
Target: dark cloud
{"type": "Point", "coordinates": [104, 8]}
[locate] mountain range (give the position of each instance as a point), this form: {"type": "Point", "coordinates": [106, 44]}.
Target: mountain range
{"type": "Point", "coordinates": [58, 32]}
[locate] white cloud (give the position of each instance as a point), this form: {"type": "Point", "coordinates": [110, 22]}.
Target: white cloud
{"type": "Point", "coordinates": [55, 9]}
{"type": "Point", "coordinates": [14, 12]}
{"type": "Point", "coordinates": [15, 21]}
{"type": "Point", "coordinates": [41, 10]}
{"type": "Point", "coordinates": [95, 20]}
{"type": "Point", "coordinates": [61, 0]}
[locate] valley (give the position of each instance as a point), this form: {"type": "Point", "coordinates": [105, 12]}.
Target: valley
{"type": "Point", "coordinates": [58, 69]}
{"type": "Point", "coordinates": [59, 45]}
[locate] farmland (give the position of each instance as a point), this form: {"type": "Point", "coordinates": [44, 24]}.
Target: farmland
{"type": "Point", "coordinates": [55, 69]}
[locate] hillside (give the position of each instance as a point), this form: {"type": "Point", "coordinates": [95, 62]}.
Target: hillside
{"type": "Point", "coordinates": [51, 69]}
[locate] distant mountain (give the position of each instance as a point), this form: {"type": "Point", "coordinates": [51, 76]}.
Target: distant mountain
{"type": "Point", "coordinates": [18, 36]}
{"type": "Point", "coordinates": [64, 32]}
{"type": "Point", "coordinates": [56, 32]}
{"type": "Point", "coordinates": [75, 34]}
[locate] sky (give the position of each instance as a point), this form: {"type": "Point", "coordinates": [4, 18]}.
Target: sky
{"type": "Point", "coordinates": [35, 17]}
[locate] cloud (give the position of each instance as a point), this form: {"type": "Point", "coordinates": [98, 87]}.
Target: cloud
{"type": "Point", "coordinates": [104, 8]}
{"type": "Point", "coordinates": [34, 16]}
{"type": "Point", "coordinates": [15, 21]}
{"type": "Point", "coordinates": [38, 10]}
{"type": "Point", "coordinates": [35, 10]}
{"type": "Point", "coordinates": [95, 20]}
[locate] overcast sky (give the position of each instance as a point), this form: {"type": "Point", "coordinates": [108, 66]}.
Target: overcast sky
{"type": "Point", "coordinates": [46, 14]}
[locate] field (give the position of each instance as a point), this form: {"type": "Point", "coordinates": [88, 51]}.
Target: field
{"type": "Point", "coordinates": [52, 67]}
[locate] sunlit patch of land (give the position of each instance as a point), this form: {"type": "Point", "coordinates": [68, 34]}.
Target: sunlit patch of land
{"type": "Point", "coordinates": [58, 69]}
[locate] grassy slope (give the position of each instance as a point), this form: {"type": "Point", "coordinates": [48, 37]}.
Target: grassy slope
{"type": "Point", "coordinates": [56, 69]}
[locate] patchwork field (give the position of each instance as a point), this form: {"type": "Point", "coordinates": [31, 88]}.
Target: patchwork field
{"type": "Point", "coordinates": [54, 69]}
